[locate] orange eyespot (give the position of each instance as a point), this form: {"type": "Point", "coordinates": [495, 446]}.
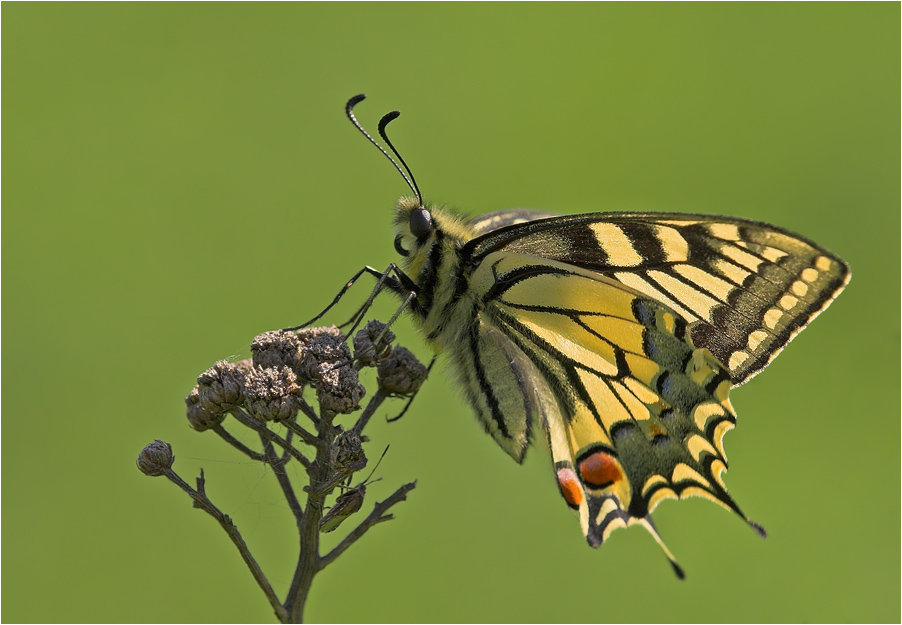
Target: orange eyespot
{"type": "Point", "coordinates": [569, 485]}
{"type": "Point", "coordinates": [600, 470]}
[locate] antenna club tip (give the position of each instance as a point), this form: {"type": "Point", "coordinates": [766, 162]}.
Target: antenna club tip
{"type": "Point", "coordinates": [758, 529]}
{"type": "Point", "coordinates": [357, 99]}
{"type": "Point", "coordinates": [680, 573]}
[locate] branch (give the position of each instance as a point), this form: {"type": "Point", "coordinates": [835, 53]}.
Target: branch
{"type": "Point", "coordinates": [309, 412]}
{"type": "Point", "coordinates": [234, 442]}
{"type": "Point", "coordinates": [371, 407]}
{"type": "Point", "coordinates": [303, 434]}
{"type": "Point", "coordinates": [278, 466]}
{"type": "Point", "coordinates": [203, 502]}
{"type": "Point", "coordinates": [246, 419]}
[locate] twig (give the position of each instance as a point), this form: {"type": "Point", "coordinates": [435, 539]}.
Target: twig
{"type": "Point", "coordinates": [370, 409]}
{"type": "Point", "coordinates": [278, 466]}
{"type": "Point", "coordinates": [308, 411]}
{"type": "Point", "coordinates": [234, 442]}
{"type": "Point", "coordinates": [269, 435]}
{"type": "Point", "coordinates": [303, 434]}
{"type": "Point", "coordinates": [203, 502]}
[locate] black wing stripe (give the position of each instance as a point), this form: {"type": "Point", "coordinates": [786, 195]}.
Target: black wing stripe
{"type": "Point", "coordinates": [567, 312]}
{"type": "Point", "coordinates": [484, 385]}
{"type": "Point", "coordinates": [542, 353]}
{"type": "Point", "coordinates": [733, 331]}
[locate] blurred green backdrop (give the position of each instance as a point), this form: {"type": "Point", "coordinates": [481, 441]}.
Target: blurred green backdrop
{"type": "Point", "coordinates": [181, 177]}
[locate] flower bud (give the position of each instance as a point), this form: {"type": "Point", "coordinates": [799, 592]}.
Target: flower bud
{"type": "Point", "coordinates": [199, 418]}
{"type": "Point", "coordinates": [323, 348]}
{"type": "Point", "coordinates": [155, 458]}
{"type": "Point", "coordinates": [339, 390]}
{"type": "Point", "coordinates": [221, 386]}
{"type": "Point", "coordinates": [401, 374]}
{"type": "Point", "coordinates": [277, 348]}
{"type": "Point", "coordinates": [366, 352]}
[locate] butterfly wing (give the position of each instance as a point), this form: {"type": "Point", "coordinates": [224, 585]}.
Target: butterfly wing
{"type": "Point", "coordinates": [633, 412]}
{"type": "Point", "coordinates": [745, 288]}
{"type": "Point", "coordinates": [623, 334]}
{"type": "Point", "coordinates": [483, 224]}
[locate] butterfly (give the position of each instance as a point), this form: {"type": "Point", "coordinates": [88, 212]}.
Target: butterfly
{"type": "Point", "coordinates": [616, 335]}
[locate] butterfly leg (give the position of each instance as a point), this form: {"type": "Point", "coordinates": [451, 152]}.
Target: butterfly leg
{"type": "Point", "coordinates": [400, 284]}
{"type": "Point", "coordinates": [368, 270]}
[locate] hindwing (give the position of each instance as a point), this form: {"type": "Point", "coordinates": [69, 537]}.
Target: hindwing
{"type": "Point", "coordinates": [633, 412]}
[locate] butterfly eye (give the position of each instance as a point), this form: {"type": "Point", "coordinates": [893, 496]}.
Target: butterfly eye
{"type": "Point", "coordinates": [420, 223]}
{"type": "Point", "coordinates": [398, 247]}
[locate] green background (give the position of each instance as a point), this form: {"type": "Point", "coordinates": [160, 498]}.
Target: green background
{"type": "Point", "coordinates": [181, 177]}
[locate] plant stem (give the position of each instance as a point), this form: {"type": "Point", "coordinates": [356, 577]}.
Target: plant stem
{"type": "Point", "coordinates": [203, 502]}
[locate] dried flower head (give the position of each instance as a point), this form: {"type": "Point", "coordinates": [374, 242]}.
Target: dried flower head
{"type": "Point", "coordinates": [199, 418]}
{"type": "Point", "coordinates": [322, 348]}
{"type": "Point", "coordinates": [221, 387]}
{"type": "Point", "coordinates": [401, 374]}
{"type": "Point", "coordinates": [369, 349]}
{"type": "Point", "coordinates": [339, 390]}
{"type": "Point", "coordinates": [271, 393]}
{"type": "Point", "coordinates": [155, 458]}
{"type": "Point", "coordinates": [265, 394]}
{"type": "Point", "coordinates": [347, 452]}
{"type": "Point", "coordinates": [278, 348]}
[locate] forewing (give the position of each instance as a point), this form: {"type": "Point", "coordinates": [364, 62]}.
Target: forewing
{"type": "Point", "coordinates": [489, 222]}
{"type": "Point", "coordinates": [745, 288]}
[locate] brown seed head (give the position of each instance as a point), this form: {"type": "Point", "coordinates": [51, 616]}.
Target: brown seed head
{"type": "Point", "coordinates": [221, 387]}
{"type": "Point", "coordinates": [339, 390]}
{"type": "Point", "coordinates": [401, 374]}
{"type": "Point", "coordinates": [278, 348]}
{"type": "Point", "coordinates": [155, 458]}
{"type": "Point", "coordinates": [199, 418]}
{"type": "Point", "coordinates": [366, 352]}
{"type": "Point", "coordinates": [271, 393]}
{"type": "Point", "coordinates": [322, 348]}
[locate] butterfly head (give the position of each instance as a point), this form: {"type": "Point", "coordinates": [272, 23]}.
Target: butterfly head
{"type": "Point", "coordinates": [425, 234]}
{"type": "Point", "coordinates": [417, 226]}
{"type": "Point", "coordinates": [414, 227]}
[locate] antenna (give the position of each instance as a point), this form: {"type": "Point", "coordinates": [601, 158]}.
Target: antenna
{"type": "Point", "coordinates": [377, 464]}
{"type": "Point", "coordinates": [386, 119]}
{"type": "Point", "coordinates": [383, 123]}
